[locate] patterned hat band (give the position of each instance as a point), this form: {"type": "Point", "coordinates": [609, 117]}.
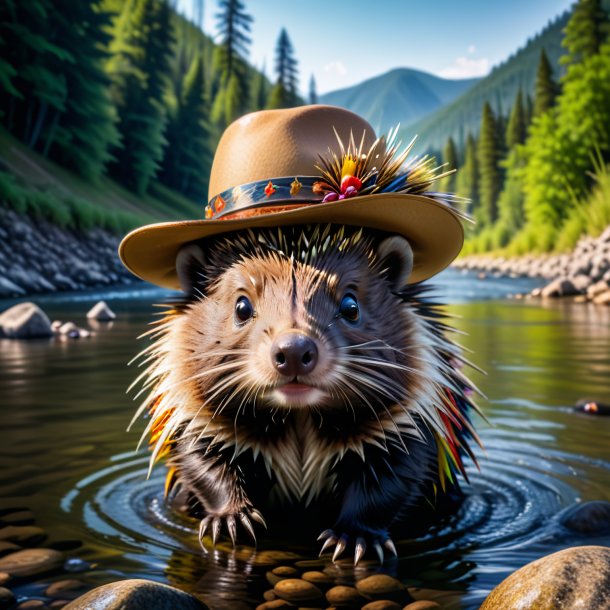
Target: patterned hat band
{"type": "Point", "coordinates": [285, 191]}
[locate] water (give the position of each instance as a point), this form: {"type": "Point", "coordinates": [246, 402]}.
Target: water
{"type": "Point", "coordinates": [65, 454]}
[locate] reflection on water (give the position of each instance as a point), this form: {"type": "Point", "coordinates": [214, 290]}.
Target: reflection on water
{"type": "Point", "coordinates": [64, 453]}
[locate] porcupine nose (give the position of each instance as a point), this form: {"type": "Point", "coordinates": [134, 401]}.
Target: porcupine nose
{"type": "Point", "coordinates": [293, 354]}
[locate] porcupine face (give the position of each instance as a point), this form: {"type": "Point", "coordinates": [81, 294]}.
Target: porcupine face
{"type": "Point", "coordinates": [298, 318]}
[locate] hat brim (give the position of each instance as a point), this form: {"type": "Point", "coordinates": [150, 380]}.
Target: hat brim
{"type": "Point", "coordinates": [433, 230]}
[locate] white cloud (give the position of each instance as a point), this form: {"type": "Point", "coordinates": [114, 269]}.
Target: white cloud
{"type": "Point", "coordinates": [472, 49]}
{"type": "Point", "coordinates": [465, 67]}
{"type": "Point", "coordinates": [336, 67]}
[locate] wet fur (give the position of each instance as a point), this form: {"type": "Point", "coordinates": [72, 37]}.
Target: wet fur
{"type": "Point", "coordinates": [364, 457]}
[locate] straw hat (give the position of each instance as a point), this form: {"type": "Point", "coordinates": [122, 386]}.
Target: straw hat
{"type": "Point", "coordinates": [306, 165]}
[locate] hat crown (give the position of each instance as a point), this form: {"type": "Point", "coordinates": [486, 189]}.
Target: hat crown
{"type": "Point", "coordinates": [275, 143]}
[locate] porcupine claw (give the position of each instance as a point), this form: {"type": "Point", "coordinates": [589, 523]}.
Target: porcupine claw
{"type": "Point", "coordinates": [216, 525]}
{"type": "Point", "coordinates": [359, 550]}
{"type": "Point", "coordinates": [203, 526]}
{"type": "Point", "coordinates": [327, 543]}
{"type": "Point", "coordinates": [247, 525]}
{"type": "Point", "coordinates": [258, 517]}
{"type": "Point", "coordinates": [390, 546]}
{"type": "Point", "coordinates": [325, 534]}
{"type": "Point", "coordinates": [232, 528]}
{"type": "Point", "coordinates": [341, 544]}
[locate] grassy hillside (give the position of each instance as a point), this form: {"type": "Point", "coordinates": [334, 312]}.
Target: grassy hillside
{"type": "Point", "coordinates": [399, 96]}
{"type": "Point", "coordinates": [499, 88]}
{"type": "Point", "coordinates": [30, 183]}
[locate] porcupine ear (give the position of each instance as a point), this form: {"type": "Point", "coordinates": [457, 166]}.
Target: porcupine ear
{"type": "Point", "coordinates": [189, 262]}
{"type": "Point", "coordinates": [396, 260]}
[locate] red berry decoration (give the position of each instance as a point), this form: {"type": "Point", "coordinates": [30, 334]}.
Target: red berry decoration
{"type": "Point", "coordinates": [352, 181]}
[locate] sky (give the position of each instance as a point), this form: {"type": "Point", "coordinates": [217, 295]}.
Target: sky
{"type": "Point", "coordinates": [343, 42]}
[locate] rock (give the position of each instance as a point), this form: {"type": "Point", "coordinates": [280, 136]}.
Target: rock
{"type": "Point", "coordinates": [297, 590]}
{"type": "Point", "coordinates": [76, 565]}
{"type": "Point", "coordinates": [25, 321]}
{"type": "Point", "coordinates": [4, 578]}
{"type": "Point", "coordinates": [423, 605]}
{"type": "Point", "coordinates": [18, 517]}
{"type": "Point", "coordinates": [318, 578]}
{"type": "Point", "coordinates": [571, 579]}
{"type": "Point", "coordinates": [592, 407]}
{"type": "Point", "coordinates": [590, 518]}
{"type": "Point", "coordinates": [605, 236]}
{"type": "Point", "coordinates": [56, 325]}
{"type": "Point", "coordinates": [67, 328]}
{"type": "Point", "coordinates": [7, 599]}
{"type": "Point", "coordinates": [566, 286]}
{"type": "Point", "coordinates": [275, 604]}
{"type": "Point", "coordinates": [32, 604]}
{"type": "Point", "coordinates": [101, 312]}
{"type": "Point", "coordinates": [136, 594]}
{"type": "Point", "coordinates": [22, 534]}
{"type": "Point", "coordinates": [603, 298]}
{"type": "Point", "coordinates": [31, 562]}
{"type": "Point", "coordinates": [7, 547]}
{"type": "Point", "coordinates": [269, 596]}
{"type": "Point", "coordinates": [68, 588]}
{"type": "Point", "coordinates": [382, 604]}
{"type": "Point", "coordinates": [342, 596]}
{"type": "Point", "coordinates": [285, 571]}
{"type": "Point", "coordinates": [382, 586]}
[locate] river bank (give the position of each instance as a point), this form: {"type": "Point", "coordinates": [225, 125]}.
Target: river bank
{"type": "Point", "coordinates": [39, 257]}
{"type": "Point", "coordinates": [583, 273]}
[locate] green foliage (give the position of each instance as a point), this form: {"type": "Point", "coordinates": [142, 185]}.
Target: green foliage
{"type": "Point", "coordinates": [284, 94]}
{"type": "Point", "coordinates": [489, 172]}
{"type": "Point", "coordinates": [467, 182]}
{"type": "Point", "coordinates": [562, 141]}
{"type": "Point", "coordinates": [517, 127]}
{"type": "Point", "coordinates": [188, 156]}
{"type": "Point", "coordinates": [141, 51]}
{"type": "Point", "coordinates": [448, 184]}
{"type": "Point", "coordinates": [546, 88]}
{"type": "Point", "coordinates": [498, 88]}
{"type": "Point", "coordinates": [586, 31]}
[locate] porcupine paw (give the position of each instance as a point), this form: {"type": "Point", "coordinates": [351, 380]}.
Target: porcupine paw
{"type": "Point", "coordinates": [361, 541]}
{"type": "Point", "coordinates": [217, 522]}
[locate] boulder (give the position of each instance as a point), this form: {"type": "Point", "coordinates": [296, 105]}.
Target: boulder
{"type": "Point", "coordinates": [571, 579]}
{"type": "Point", "coordinates": [603, 298]}
{"type": "Point", "coordinates": [101, 312]}
{"type": "Point", "coordinates": [25, 321]}
{"type": "Point", "coordinates": [597, 288]}
{"type": "Point", "coordinates": [136, 594]}
{"type": "Point", "coordinates": [566, 286]}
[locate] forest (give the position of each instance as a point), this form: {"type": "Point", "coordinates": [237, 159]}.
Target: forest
{"type": "Point", "coordinates": [132, 92]}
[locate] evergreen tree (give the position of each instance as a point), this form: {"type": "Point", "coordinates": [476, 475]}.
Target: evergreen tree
{"type": "Point", "coordinates": [259, 90]}
{"type": "Point", "coordinates": [489, 172]}
{"type": "Point", "coordinates": [516, 129]}
{"type": "Point", "coordinates": [139, 68]}
{"type": "Point", "coordinates": [545, 88]}
{"type": "Point", "coordinates": [187, 159]}
{"type": "Point", "coordinates": [313, 95]}
{"type": "Point", "coordinates": [232, 88]}
{"type": "Point", "coordinates": [450, 160]}
{"type": "Point", "coordinates": [284, 93]}
{"type": "Point", "coordinates": [586, 31]}
{"type": "Point", "coordinates": [81, 135]}
{"type": "Point", "coordinates": [467, 182]}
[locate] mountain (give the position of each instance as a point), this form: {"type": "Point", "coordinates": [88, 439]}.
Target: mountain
{"type": "Point", "coordinates": [400, 96]}
{"type": "Point", "coordinates": [499, 88]}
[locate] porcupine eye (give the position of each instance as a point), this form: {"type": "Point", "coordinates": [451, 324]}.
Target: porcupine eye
{"type": "Point", "coordinates": [243, 310]}
{"type": "Point", "coordinates": [349, 309]}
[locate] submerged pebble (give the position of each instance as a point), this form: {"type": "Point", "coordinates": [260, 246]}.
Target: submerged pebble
{"type": "Point", "coordinates": [31, 562]}
{"type": "Point", "coordinates": [297, 590]}
{"type": "Point", "coordinates": [590, 518]}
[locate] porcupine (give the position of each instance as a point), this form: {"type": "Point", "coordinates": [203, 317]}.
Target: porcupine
{"type": "Point", "coordinates": [301, 371]}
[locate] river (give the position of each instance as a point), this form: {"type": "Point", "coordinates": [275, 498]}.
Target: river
{"type": "Point", "coordinates": [65, 454]}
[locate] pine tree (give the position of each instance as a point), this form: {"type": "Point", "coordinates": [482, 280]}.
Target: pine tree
{"type": "Point", "coordinates": [545, 88]}
{"type": "Point", "coordinates": [489, 172]}
{"type": "Point", "coordinates": [260, 90]}
{"type": "Point", "coordinates": [139, 68]}
{"type": "Point", "coordinates": [232, 87]}
{"type": "Point", "coordinates": [187, 159]}
{"type": "Point", "coordinates": [585, 32]}
{"type": "Point", "coordinates": [313, 95]}
{"type": "Point", "coordinates": [284, 93]}
{"type": "Point", "coordinates": [450, 160]}
{"type": "Point", "coordinates": [516, 129]}
{"type": "Point", "coordinates": [80, 136]}
{"type": "Point", "coordinates": [467, 182]}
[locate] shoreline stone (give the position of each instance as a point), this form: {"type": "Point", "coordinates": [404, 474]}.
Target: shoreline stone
{"type": "Point", "coordinates": [584, 272]}
{"type": "Point", "coordinates": [38, 257]}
